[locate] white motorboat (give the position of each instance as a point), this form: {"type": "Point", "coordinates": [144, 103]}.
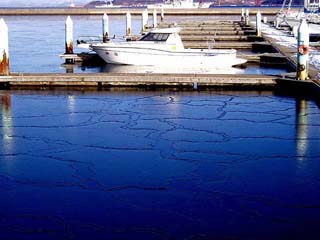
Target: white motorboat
{"type": "Point", "coordinates": [163, 47]}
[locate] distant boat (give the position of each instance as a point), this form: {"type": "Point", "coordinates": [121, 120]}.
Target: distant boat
{"type": "Point", "coordinates": [180, 4]}
{"type": "Point", "coordinates": [293, 18]}
{"type": "Point", "coordinates": [163, 47]}
{"type": "Point", "coordinates": [102, 4]}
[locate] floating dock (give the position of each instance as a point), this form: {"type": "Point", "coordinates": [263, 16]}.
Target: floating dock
{"type": "Point", "coordinates": [140, 79]}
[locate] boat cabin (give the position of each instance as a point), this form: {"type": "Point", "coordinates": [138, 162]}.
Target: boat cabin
{"type": "Point", "coordinates": [168, 36]}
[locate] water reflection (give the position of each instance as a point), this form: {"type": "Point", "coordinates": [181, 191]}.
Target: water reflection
{"type": "Point", "coordinates": [301, 128]}
{"type": "Point", "coordinates": [71, 100]}
{"type": "Point", "coordinates": [168, 69]}
{"type": "Point", "coordinates": [6, 123]}
{"type": "Point", "coordinates": [95, 67]}
{"type": "Point", "coordinates": [112, 68]}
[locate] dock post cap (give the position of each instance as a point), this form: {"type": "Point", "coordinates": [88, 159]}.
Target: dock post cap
{"type": "Point", "coordinates": [3, 24]}
{"type": "Point", "coordinates": [303, 26]}
{"type": "Point", "coordinates": [69, 20]}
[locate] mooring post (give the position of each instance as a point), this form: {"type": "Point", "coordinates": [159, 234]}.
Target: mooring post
{"type": "Point", "coordinates": [242, 15]}
{"type": "Point", "coordinates": [4, 48]}
{"type": "Point", "coordinates": [162, 14]}
{"type": "Point", "coordinates": [154, 18]}
{"type": "Point", "coordinates": [277, 22]}
{"type": "Point", "coordinates": [247, 21]}
{"type": "Point", "coordinates": [69, 36]}
{"type": "Point", "coordinates": [195, 85]}
{"type": "Point", "coordinates": [128, 24]}
{"type": "Point", "coordinates": [105, 28]}
{"type": "Point", "coordinates": [69, 39]}
{"type": "Point", "coordinates": [144, 21]}
{"type": "Point", "coordinates": [265, 20]}
{"type": "Point", "coordinates": [303, 50]}
{"type": "Point", "coordinates": [258, 24]}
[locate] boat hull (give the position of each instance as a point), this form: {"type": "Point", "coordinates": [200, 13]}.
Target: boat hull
{"type": "Point", "coordinates": [314, 28]}
{"type": "Point", "coordinates": [154, 57]}
{"type": "Point", "coordinates": [294, 21]}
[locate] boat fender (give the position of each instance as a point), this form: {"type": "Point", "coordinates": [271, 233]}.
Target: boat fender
{"type": "Point", "coordinates": [303, 49]}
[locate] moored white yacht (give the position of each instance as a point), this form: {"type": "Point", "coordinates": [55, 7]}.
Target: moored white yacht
{"type": "Point", "coordinates": [163, 47]}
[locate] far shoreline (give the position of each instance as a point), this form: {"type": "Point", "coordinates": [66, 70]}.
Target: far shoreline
{"type": "Point", "coordinates": [220, 10]}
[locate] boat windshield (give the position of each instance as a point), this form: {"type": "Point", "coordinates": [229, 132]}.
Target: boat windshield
{"type": "Point", "coordinates": [155, 37]}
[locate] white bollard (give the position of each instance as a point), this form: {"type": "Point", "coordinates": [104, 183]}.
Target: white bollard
{"type": "Point", "coordinates": [242, 15]}
{"type": "Point", "coordinates": [277, 23]}
{"type": "Point", "coordinates": [144, 21]}
{"type": "Point", "coordinates": [128, 24]}
{"type": "Point", "coordinates": [4, 48]}
{"type": "Point", "coordinates": [247, 20]}
{"type": "Point", "coordinates": [69, 35]}
{"type": "Point", "coordinates": [105, 28]}
{"type": "Point", "coordinates": [258, 24]}
{"type": "Point", "coordinates": [265, 20]}
{"type": "Point", "coordinates": [162, 14]}
{"type": "Point", "coordinates": [303, 51]}
{"type": "Point", "coordinates": [155, 18]}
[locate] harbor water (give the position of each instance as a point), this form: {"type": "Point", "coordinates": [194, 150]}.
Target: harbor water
{"type": "Point", "coordinates": [138, 164]}
{"type": "Point", "coordinates": [158, 165]}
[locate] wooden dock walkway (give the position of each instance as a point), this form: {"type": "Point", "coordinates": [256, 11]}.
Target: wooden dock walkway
{"type": "Point", "coordinates": [139, 79]}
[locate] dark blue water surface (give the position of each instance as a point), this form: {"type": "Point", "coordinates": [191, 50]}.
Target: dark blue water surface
{"type": "Point", "coordinates": [158, 165]}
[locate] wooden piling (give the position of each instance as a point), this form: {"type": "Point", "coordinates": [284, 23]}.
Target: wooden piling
{"type": "Point", "coordinates": [144, 21]}
{"type": "Point", "coordinates": [69, 35]}
{"type": "Point", "coordinates": [128, 24]}
{"type": "Point", "coordinates": [105, 28]}
{"type": "Point", "coordinates": [258, 24]}
{"type": "Point", "coordinates": [4, 48]}
{"type": "Point", "coordinates": [302, 51]}
{"type": "Point", "coordinates": [242, 15]}
{"type": "Point", "coordinates": [247, 18]}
